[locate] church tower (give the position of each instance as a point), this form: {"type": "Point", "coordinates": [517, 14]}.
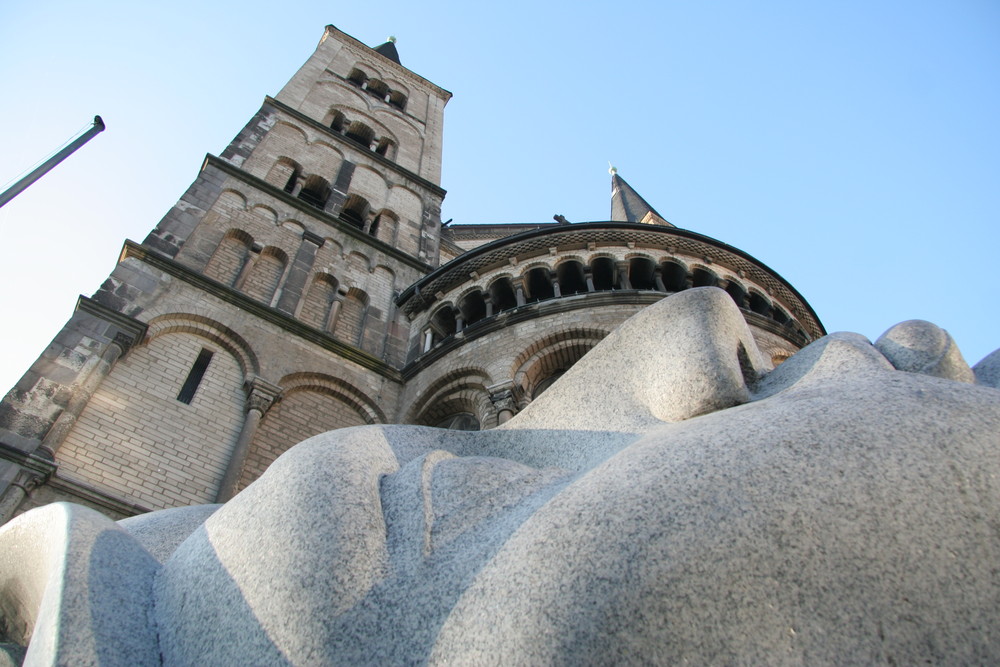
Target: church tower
{"type": "Point", "coordinates": [273, 276]}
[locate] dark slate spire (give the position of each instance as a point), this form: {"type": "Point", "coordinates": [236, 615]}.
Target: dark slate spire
{"type": "Point", "coordinates": [628, 206]}
{"type": "Point", "coordinates": [389, 50]}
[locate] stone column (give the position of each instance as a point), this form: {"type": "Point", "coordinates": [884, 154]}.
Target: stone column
{"type": "Point", "coordinates": [519, 292]}
{"type": "Point", "coordinates": [488, 300]}
{"type": "Point", "coordinates": [658, 277]}
{"type": "Point", "coordinates": [556, 290]}
{"type": "Point", "coordinates": [459, 322]}
{"type": "Point", "coordinates": [260, 396]}
{"type": "Point", "coordinates": [32, 471]}
{"type": "Point", "coordinates": [588, 274]}
{"type": "Point", "coordinates": [331, 319]}
{"type": "Point", "coordinates": [504, 398]}
{"type": "Point", "coordinates": [623, 282]}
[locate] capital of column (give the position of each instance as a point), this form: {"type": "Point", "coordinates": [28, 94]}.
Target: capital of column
{"type": "Point", "coordinates": [261, 394]}
{"type": "Point", "coordinates": [505, 396]}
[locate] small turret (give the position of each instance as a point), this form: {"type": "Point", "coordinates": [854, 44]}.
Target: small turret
{"type": "Point", "coordinates": [628, 206]}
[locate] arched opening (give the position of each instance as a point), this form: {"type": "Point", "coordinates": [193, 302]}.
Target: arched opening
{"type": "Point", "coordinates": [546, 383]}
{"type": "Point", "coordinates": [759, 304]}
{"type": "Point", "coordinates": [337, 121]}
{"type": "Point", "coordinates": [473, 308]}
{"type": "Point", "coordinates": [315, 192]}
{"type": "Point", "coordinates": [360, 133]}
{"type": "Point", "coordinates": [571, 278]}
{"type": "Point", "coordinates": [538, 284]}
{"type": "Point", "coordinates": [398, 100]}
{"type": "Point", "coordinates": [377, 88]}
{"type": "Point", "coordinates": [738, 294]}
{"type": "Point", "coordinates": [779, 315]}
{"type": "Point", "coordinates": [284, 174]}
{"type": "Point", "coordinates": [460, 421]}
{"type": "Point", "coordinates": [384, 226]}
{"type": "Point", "coordinates": [674, 276]}
{"type": "Point", "coordinates": [383, 146]}
{"type": "Point", "coordinates": [703, 278]}
{"type": "Point", "coordinates": [357, 77]}
{"type": "Point", "coordinates": [603, 271]}
{"type": "Point", "coordinates": [502, 293]}
{"type": "Point", "coordinates": [640, 273]}
{"type": "Point", "coordinates": [355, 211]}
{"type": "Point", "coordinates": [443, 323]}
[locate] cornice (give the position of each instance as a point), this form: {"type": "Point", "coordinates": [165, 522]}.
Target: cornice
{"type": "Point", "coordinates": [229, 295]}
{"type": "Point", "coordinates": [421, 294]}
{"type": "Point", "coordinates": [312, 211]}
{"type": "Point", "coordinates": [398, 68]}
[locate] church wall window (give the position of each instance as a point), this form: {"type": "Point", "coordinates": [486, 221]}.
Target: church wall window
{"type": "Point", "coordinates": [603, 271]}
{"type": "Point", "coordinates": [360, 133]}
{"type": "Point", "coordinates": [284, 174]}
{"type": "Point", "coordinates": [538, 284]}
{"type": "Point", "coordinates": [316, 191]}
{"type": "Point", "coordinates": [194, 377]}
{"type": "Point", "coordinates": [357, 77]}
{"type": "Point", "coordinates": [337, 121]}
{"type": "Point", "coordinates": [760, 304]}
{"type": "Point", "coordinates": [571, 278]}
{"type": "Point", "coordinates": [641, 273]}
{"type": "Point", "coordinates": [377, 88]}
{"type": "Point", "coordinates": [384, 146]}
{"type": "Point", "coordinates": [460, 421]}
{"type": "Point", "coordinates": [703, 278]}
{"type": "Point", "coordinates": [674, 276]}
{"type": "Point", "coordinates": [738, 294]}
{"type": "Point", "coordinates": [398, 100]}
{"type": "Point", "coordinates": [473, 308]}
{"type": "Point", "coordinates": [502, 293]}
{"type": "Point", "coordinates": [355, 211]}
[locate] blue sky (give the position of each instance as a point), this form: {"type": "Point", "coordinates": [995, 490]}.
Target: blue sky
{"type": "Point", "coordinates": [853, 147]}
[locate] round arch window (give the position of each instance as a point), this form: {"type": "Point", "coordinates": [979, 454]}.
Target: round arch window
{"type": "Point", "coordinates": [461, 421]}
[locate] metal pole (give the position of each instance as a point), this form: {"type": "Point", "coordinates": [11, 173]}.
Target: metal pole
{"type": "Point", "coordinates": [23, 184]}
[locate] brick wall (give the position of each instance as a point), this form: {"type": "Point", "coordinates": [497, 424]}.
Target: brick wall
{"type": "Point", "coordinates": [136, 441]}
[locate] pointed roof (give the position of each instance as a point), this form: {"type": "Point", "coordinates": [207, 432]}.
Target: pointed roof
{"type": "Point", "coordinates": [628, 206]}
{"type": "Point", "coordinates": [389, 50]}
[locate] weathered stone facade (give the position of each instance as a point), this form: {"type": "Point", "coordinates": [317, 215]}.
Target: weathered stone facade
{"type": "Point", "coordinates": [304, 282]}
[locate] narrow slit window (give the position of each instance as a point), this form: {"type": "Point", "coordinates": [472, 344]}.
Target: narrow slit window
{"type": "Point", "coordinates": [195, 376]}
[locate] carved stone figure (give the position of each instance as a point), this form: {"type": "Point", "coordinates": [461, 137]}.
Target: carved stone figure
{"type": "Point", "coordinates": [670, 499]}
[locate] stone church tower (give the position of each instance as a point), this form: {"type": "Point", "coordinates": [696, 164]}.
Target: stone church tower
{"type": "Point", "coordinates": [304, 283]}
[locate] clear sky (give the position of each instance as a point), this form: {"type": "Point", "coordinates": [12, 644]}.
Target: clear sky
{"type": "Point", "coordinates": [852, 146]}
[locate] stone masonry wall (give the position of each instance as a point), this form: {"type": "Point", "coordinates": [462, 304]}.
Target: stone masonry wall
{"type": "Point", "coordinates": [136, 441]}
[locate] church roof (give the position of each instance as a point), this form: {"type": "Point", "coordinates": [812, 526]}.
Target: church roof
{"type": "Point", "coordinates": [389, 50]}
{"type": "Point", "coordinates": [628, 206]}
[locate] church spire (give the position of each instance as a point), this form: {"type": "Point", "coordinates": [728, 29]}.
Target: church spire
{"type": "Point", "coordinates": [389, 50]}
{"type": "Point", "coordinates": [628, 206]}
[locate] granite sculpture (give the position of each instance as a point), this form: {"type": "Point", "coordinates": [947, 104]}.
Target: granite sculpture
{"type": "Point", "coordinates": [671, 498]}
